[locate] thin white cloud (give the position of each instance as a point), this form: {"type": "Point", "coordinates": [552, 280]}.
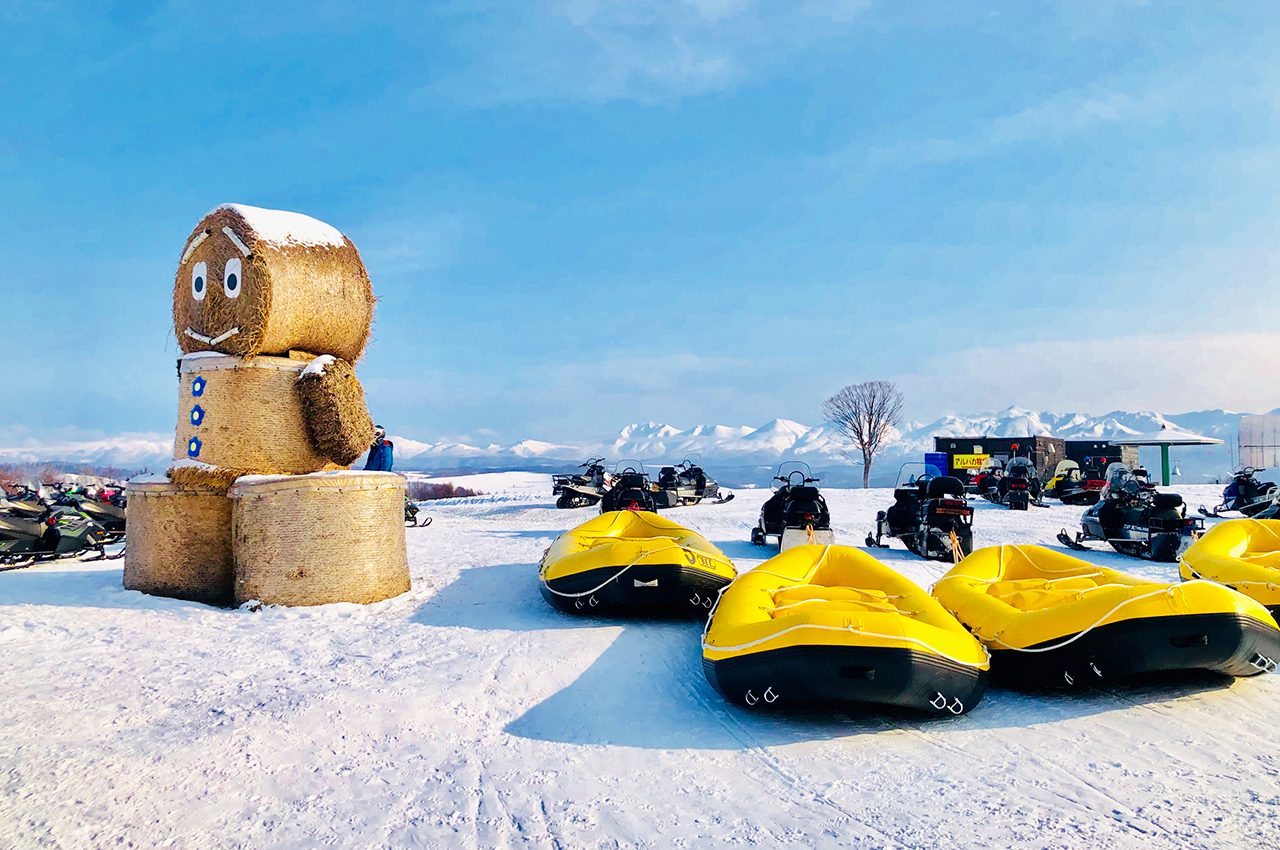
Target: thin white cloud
{"type": "Point", "coordinates": [1144, 372]}
{"type": "Point", "coordinates": [647, 50]}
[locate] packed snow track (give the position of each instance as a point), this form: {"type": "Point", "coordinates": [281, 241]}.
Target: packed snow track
{"type": "Point", "coordinates": [469, 713]}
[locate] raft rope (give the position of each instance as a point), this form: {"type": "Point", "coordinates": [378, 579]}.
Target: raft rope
{"type": "Point", "coordinates": [1169, 590]}
{"type": "Point", "coordinates": [1269, 585]}
{"type": "Point", "coordinates": [613, 577]}
{"type": "Point", "coordinates": [850, 629]}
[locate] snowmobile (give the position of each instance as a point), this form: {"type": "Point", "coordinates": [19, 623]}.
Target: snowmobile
{"type": "Point", "coordinates": [1020, 487]}
{"type": "Point", "coordinates": [796, 513]}
{"type": "Point", "coordinates": [1246, 494]}
{"type": "Point", "coordinates": [106, 514]}
{"type": "Point", "coordinates": [687, 484]}
{"type": "Point", "coordinates": [580, 491]}
{"type": "Point", "coordinates": [1136, 520]}
{"type": "Point", "coordinates": [630, 489]}
{"type": "Point", "coordinates": [27, 502]}
{"type": "Point", "coordinates": [930, 515]}
{"type": "Point", "coordinates": [1073, 486]}
{"type": "Point", "coordinates": [988, 477]}
{"type": "Point", "coordinates": [411, 514]}
{"type": "Point", "coordinates": [1066, 477]}
{"type": "Point", "coordinates": [58, 532]}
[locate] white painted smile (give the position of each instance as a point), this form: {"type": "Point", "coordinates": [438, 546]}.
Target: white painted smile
{"type": "Point", "coordinates": [212, 340]}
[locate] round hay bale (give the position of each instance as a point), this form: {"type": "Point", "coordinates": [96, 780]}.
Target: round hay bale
{"type": "Point", "coordinates": [335, 412]}
{"type": "Point", "coordinates": [320, 538]}
{"type": "Point", "coordinates": [254, 281]}
{"type": "Point", "coordinates": [240, 417]}
{"type": "Point", "coordinates": [179, 543]}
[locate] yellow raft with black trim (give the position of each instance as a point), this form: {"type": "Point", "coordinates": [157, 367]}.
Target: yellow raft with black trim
{"type": "Point", "coordinates": [1243, 554]}
{"type": "Point", "coordinates": [1051, 619]}
{"type": "Point", "coordinates": [831, 623]}
{"type": "Point", "coordinates": [623, 558]}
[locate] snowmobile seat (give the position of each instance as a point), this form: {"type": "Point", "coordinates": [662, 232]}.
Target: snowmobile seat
{"type": "Point", "coordinates": [946, 486]}
{"type": "Point", "coordinates": [804, 494]}
{"type": "Point", "coordinates": [1166, 500]}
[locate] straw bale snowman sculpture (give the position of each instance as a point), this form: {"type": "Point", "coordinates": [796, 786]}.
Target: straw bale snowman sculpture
{"type": "Point", "coordinates": [271, 310]}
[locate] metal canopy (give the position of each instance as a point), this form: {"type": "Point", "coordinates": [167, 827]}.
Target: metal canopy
{"type": "Point", "coordinates": [1164, 438]}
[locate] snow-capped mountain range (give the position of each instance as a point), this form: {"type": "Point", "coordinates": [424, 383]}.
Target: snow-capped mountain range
{"type": "Point", "coordinates": [742, 450]}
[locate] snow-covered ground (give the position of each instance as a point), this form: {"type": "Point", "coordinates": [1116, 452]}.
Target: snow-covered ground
{"type": "Point", "coordinates": [468, 713]}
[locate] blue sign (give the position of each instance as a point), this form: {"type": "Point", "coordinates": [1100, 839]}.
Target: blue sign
{"type": "Point", "coordinates": [935, 463]}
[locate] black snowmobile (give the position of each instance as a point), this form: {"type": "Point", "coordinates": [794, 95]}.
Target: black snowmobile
{"type": "Point", "coordinates": [796, 513]}
{"type": "Point", "coordinates": [1136, 520]}
{"type": "Point", "coordinates": [580, 491]}
{"type": "Point", "coordinates": [930, 515]}
{"type": "Point", "coordinates": [630, 489]}
{"type": "Point", "coordinates": [687, 484]}
{"type": "Point", "coordinates": [1246, 494]}
{"type": "Point", "coordinates": [1020, 486]}
{"type": "Point", "coordinates": [411, 514]}
{"type": "Point", "coordinates": [106, 514]}
{"type": "Point", "coordinates": [58, 532]}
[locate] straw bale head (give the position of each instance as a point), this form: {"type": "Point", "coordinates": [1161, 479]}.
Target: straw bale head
{"type": "Point", "coordinates": [254, 281]}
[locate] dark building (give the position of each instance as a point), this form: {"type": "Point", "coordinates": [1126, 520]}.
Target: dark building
{"type": "Point", "coordinates": [966, 454]}
{"type": "Point", "coordinates": [1097, 454]}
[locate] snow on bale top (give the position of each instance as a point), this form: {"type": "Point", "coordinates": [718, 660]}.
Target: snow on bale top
{"type": "Point", "coordinates": [336, 479]}
{"type": "Point", "coordinates": [281, 227]}
{"type": "Point", "coordinates": [252, 281]}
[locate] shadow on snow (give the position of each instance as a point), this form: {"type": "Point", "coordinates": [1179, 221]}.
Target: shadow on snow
{"type": "Point", "coordinates": [648, 690]}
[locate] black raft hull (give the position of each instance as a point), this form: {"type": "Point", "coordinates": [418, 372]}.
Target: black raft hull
{"type": "Point", "coordinates": [824, 674]}
{"type": "Point", "coordinates": [1227, 643]}
{"type": "Point", "coordinates": [674, 587]}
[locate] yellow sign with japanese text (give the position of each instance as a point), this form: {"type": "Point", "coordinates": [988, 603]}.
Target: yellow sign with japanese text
{"type": "Point", "coordinates": [968, 461]}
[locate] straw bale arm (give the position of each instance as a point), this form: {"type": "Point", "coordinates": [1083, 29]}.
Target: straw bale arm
{"type": "Point", "coordinates": [334, 411]}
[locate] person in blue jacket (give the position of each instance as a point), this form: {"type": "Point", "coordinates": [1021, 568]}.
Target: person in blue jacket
{"type": "Point", "coordinates": [381, 452]}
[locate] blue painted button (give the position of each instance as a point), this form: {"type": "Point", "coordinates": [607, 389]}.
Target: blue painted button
{"type": "Point", "coordinates": [193, 447]}
{"type": "Point", "coordinates": [197, 386]}
{"type": "Point", "coordinates": [197, 415]}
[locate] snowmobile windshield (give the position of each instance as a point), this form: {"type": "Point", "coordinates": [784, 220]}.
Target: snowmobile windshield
{"type": "Point", "coordinates": [792, 472]}
{"type": "Point", "coordinates": [991, 464]}
{"type": "Point", "coordinates": [909, 474]}
{"type": "Point", "coordinates": [1020, 467]}
{"type": "Point", "coordinates": [1117, 475]}
{"type": "Point", "coordinates": [629, 465]}
{"type": "Point", "coordinates": [1065, 468]}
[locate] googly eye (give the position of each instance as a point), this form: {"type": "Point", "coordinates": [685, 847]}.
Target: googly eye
{"type": "Point", "coordinates": [232, 278]}
{"type": "Point", "coordinates": [199, 281]}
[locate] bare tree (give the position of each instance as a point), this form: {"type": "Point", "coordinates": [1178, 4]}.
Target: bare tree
{"type": "Point", "coordinates": [865, 413]}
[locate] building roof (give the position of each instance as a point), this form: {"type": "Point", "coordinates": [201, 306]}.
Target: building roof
{"type": "Point", "coordinates": [1166, 437]}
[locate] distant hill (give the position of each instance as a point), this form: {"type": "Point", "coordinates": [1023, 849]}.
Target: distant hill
{"type": "Point", "coordinates": [737, 455]}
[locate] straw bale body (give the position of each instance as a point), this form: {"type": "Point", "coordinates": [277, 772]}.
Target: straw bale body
{"type": "Point", "coordinates": [253, 281]}
{"type": "Point", "coordinates": [320, 538]}
{"type": "Point", "coordinates": [179, 543]}
{"type": "Point", "coordinates": [241, 417]}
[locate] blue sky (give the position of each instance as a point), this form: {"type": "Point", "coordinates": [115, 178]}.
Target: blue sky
{"type": "Point", "coordinates": [579, 214]}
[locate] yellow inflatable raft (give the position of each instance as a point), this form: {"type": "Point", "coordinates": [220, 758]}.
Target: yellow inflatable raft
{"type": "Point", "coordinates": [632, 558]}
{"type": "Point", "coordinates": [1243, 554]}
{"type": "Point", "coordinates": [831, 623]}
{"type": "Point", "coordinates": [1051, 619]}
